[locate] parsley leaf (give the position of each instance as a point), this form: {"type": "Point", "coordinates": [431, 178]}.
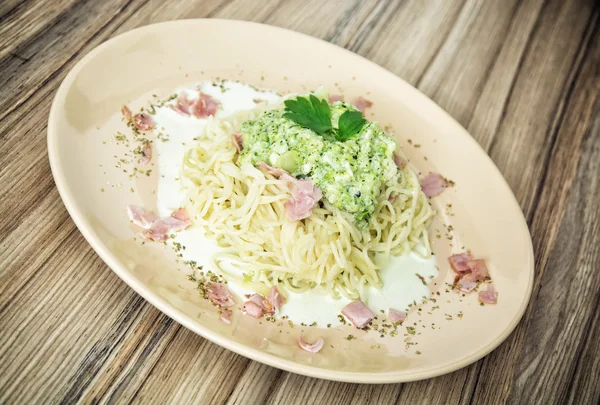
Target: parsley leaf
{"type": "Point", "coordinates": [349, 124]}
{"type": "Point", "coordinates": [312, 113]}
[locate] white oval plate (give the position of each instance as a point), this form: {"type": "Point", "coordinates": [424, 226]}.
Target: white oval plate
{"type": "Point", "coordinates": [158, 58]}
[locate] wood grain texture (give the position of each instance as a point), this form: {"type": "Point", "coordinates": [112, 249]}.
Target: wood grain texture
{"type": "Point", "coordinates": [522, 76]}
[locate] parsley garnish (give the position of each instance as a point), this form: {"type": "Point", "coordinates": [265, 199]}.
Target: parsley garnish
{"type": "Point", "coordinates": [314, 113]}
{"type": "Point", "coordinates": [349, 124]}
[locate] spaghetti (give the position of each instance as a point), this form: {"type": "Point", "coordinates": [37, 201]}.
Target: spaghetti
{"type": "Point", "coordinates": [242, 209]}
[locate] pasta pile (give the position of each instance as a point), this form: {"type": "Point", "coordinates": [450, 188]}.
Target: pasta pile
{"type": "Point", "coordinates": [242, 209]}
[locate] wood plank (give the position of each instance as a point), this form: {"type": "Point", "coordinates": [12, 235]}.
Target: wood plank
{"type": "Point", "coordinates": [53, 321]}
{"type": "Point", "coordinates": [399, 35]}
{"type": "Point", "coordinates": [256, 384]}
{"type": "Point", "coordinates": [132, 360]}
{"type": "Point", "coordinates": [153, 12]}
{"type": "Point", "coordinates": [454, 388]}
{"type": "Point", "coordinates": [20, 27]}
{"type": "Point", "coordinates": [585, 383]}
{"type": "Point", "coordinates": [565, 228]}
{"type": "Point", "coordinates": [535, 101]}
{"type": "Point", "coordinates": [207, 376]}
{"type": "Point", "coordinates": [296, 389]}
{"type": "Point", "coordinates": [376, 394]}
{"type": "Point", "coordinates": [18, 247]}
{"type": "Point", "coordinates": [10, 7]}
{"type": "Point", "coordinates": [489, 107]}
{"type": "Point", "coordinates": [564, 331]}
{"type": "Point", "coordinates": [346, 18]}
{"type": "Point", "coordinates": [456, 76]}
{"type": "Point", "coordinates": [39, 59]}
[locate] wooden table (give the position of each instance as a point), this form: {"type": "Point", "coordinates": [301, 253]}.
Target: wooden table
{"type": "Point", "coordinates": [522, 76]}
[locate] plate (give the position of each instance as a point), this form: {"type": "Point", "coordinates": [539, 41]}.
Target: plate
{"type": "Point", "coordinates": [158, 58]}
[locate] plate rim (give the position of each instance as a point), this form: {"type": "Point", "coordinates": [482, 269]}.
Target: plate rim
{"type": "Point", "coordinates": [162, 305]}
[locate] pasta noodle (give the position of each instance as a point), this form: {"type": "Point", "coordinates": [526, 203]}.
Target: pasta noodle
{"type": "Point", "coordinates": [242, 209]}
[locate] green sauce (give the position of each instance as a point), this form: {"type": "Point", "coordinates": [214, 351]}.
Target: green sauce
{"type": "Point", "coordinates": [351, 173]}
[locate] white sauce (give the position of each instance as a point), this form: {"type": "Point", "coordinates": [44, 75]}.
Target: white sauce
{"type": "Point", "coordinates": [181, 131]}
{"type": "Point", "coordinates": [401, 284]}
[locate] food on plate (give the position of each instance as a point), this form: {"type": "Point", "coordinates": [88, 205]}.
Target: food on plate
{"type": "Point", "coordinates": [490, 296]}
{"type": "Point", "coordinates": [303, 209]}
{"type": "Point", "coordinates": [469, 274]}
{"type": "Point", "coordinates": [433, 184]}
{"type": "Point", "coordinates": [314, 197]}
{"type": "Point", "coordinates": [312, 348]}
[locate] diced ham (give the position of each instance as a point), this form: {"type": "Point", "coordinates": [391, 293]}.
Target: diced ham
{"type": "Point", "coordinates": [300, 205]}
{"type": "Point", "coordinates": [252, 309]}
{"type": "Point", "coordinates": [142, 122]}
{"type": "Point", "coordinates": [258, 100]}
{"type": "Point", "coordinates": [490, 296]}
{"type": "Point", "coordinates": [175, 224]}
{"type": "Point", "coordinates": [259, 300]}
{"type": "Point", "coordinates": [201, 107]}
{"type": "Point", "coordinates": [433, 184]}
{"type": "Point", "coordinates": [311, 348]}
{"type": "Point", "coordinates": [395, 316]}
{"type": "Point", "coordinates": [275, 298]}
{"type": "Point", "coordinates": [478, 269]}
{"type": "Point", "coordinates": [126, 113]}
{"type": "Point", "coordinates": [158, 229]}
{"type": "Point", "coordinates": [140, 216]}
{"type": "Point", "coordinates": [335, 97]}
{"type": "Point", "coordinates": [466, 283]}
{"type": "Point", "coordinates": [181, 214]}
{"type": "Point", "coordinates": [268, 305]}
{"type": "Point", "coordinates": [158, 232]}
{"type": "Point", "coordinates": [361, 103]}
{"type": "Point", "coordinates": [219, 294]}
{"type": "Point", "coordinates": [146, 153]}
{"type": "Point", "coordinates": [257, 305]}
{"type": "Point", "coordinates": [358, 313]}
{"type": "Point", "coordinates": [459, 263]}
{"type": "Point", "coordinates": [400, 161]}
{"type": "Point", "coordinates": [305, 195]}
{"type": "Point", "coordinates": [237, 141]}
{"type": "Point", "coordinates": [204, 106]}
{"type": "Point", "coordinates": [469, 271]}
{"type": "Point", "coordinates": [226, 316]}
{"type": "Point", "coordinates": [273, 171]}
{"type": "Point", "coordinates": [182, 104]}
